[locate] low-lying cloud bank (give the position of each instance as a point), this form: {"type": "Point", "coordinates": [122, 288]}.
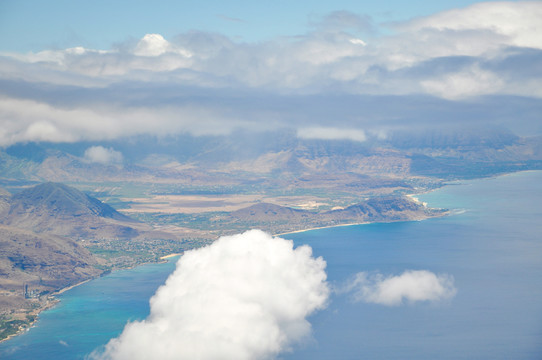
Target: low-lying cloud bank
{"type": "Point", "coordinates": [411, 286]}
{"type": "Point", "coordinates": [245, 296]}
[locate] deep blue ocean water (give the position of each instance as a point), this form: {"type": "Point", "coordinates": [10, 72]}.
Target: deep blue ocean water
{"type": "Point", "coordinates": [491, 245]}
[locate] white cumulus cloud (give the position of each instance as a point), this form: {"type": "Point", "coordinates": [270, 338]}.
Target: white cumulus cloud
{"type": "Point", "coordinates": [410, 286]}
{"type": "Point", "coordinates": [245, 296]}
{"type": "Point", "coordinates": [156, 45]}
{"type": "Point", "coordinates": [102, 155]}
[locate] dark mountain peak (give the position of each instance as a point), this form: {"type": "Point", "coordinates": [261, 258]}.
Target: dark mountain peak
{"type": "Point", "coordinates": [62, 199]}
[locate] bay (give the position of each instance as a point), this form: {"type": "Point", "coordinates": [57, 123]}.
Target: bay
{"type": "Point", "coordinates": [491, 245]}
{"type": "Point", "coordinates": [89, 315]}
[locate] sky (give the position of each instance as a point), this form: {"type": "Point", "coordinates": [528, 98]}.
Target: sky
{"type": "Point", "coordinates": [72, 71]}
{"type": "Point", "coordinates": [36, 25]}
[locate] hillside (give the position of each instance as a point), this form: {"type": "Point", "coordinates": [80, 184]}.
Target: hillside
{"type": "Point", "coordinates": [53, 236]}
{"type": "Point", "coordinates": [43, 262]}
{"type": "Point", "coordinates": [277, 218]}
{"type": "Point", "coordinates": [265, 212]}
{"type": "Point", "coordinates": [383, 209]}
{"type": "Point", "coordinates": [62, 200]}
{"type": "Point", "coordinates": [62, 210]}
{"type": "Point", "coordinates": [33, 266]}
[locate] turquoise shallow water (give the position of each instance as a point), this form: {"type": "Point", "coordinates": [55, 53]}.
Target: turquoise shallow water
{"type": "Point", "coordinates": [89, 315]}
{"type": "Point", "coordinates": [492, 246]}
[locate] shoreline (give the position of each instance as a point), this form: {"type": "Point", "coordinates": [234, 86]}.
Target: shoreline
{"type": "Point", "coordinates": [446, 213]}
{"type": "Point", "coordinates": [71, 287]}
{"type": "Point", "coordinates": [413, 197]}
{"type": "Point", "coordinates": [326, 227]}
{"type": "Point", "coordinates": [51, 302]}
{"type": "Point", "coordinates": [165, 257]}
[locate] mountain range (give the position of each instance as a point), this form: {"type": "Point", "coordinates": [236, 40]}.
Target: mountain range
{"type": "Point", "coordinates": [446, 154]}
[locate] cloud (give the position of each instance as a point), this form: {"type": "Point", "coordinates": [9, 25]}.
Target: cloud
{"type": "Point", "coordinates": [245, 296]}
{"type": "Point", "coordinates": [463, 84]}
{"type": "Point", "coordinates": [411, 286]}
{"type": "Point", "coordinates": [329, 133]}
{"type": "Point", "coordinates": [343, 70]}
{"type": "Point", "coordinates": [515, 23]}
{"type": "Point", "coordinates": [29, 120]}
{"type": "Point", "coordinates": [156, 45]}
{"type": "Point", "coordinates": [101, 155]}
{"type": "Point", "coordinates": [332, 57]}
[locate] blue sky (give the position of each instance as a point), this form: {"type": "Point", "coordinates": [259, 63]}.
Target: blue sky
{"type": "Point", "coordinates": [33, 25]}
{"type": "Point", "coordinates": [97, 70]}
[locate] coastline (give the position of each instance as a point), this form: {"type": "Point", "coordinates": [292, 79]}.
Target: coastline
{"type": "Point", "coordinates": [413, 197]}
{"type": "Point", "coordinates": [52, 302]}
{"type": "Point", "coordinates": [71, 287]}
{"type": "Point", "coordinates": [49, 303]}
{"type": "Point", "coordinates": [446, 213]}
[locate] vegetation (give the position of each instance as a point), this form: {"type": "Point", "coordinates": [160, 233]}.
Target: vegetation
{"type": "Point", "coordinates": [10, 327]}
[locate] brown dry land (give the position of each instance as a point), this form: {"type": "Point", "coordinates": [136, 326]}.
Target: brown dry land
{"type": "Point", "coordinates": [195, 204]}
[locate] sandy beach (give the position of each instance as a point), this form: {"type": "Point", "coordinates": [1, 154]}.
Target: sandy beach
{"type": "Point", "coordinates": [321, 227]}
{"type": "Point", "coordinates": [169, 256]}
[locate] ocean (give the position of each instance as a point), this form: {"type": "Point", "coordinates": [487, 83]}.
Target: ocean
{"type": "Point", "coordinates": [491, 245]}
